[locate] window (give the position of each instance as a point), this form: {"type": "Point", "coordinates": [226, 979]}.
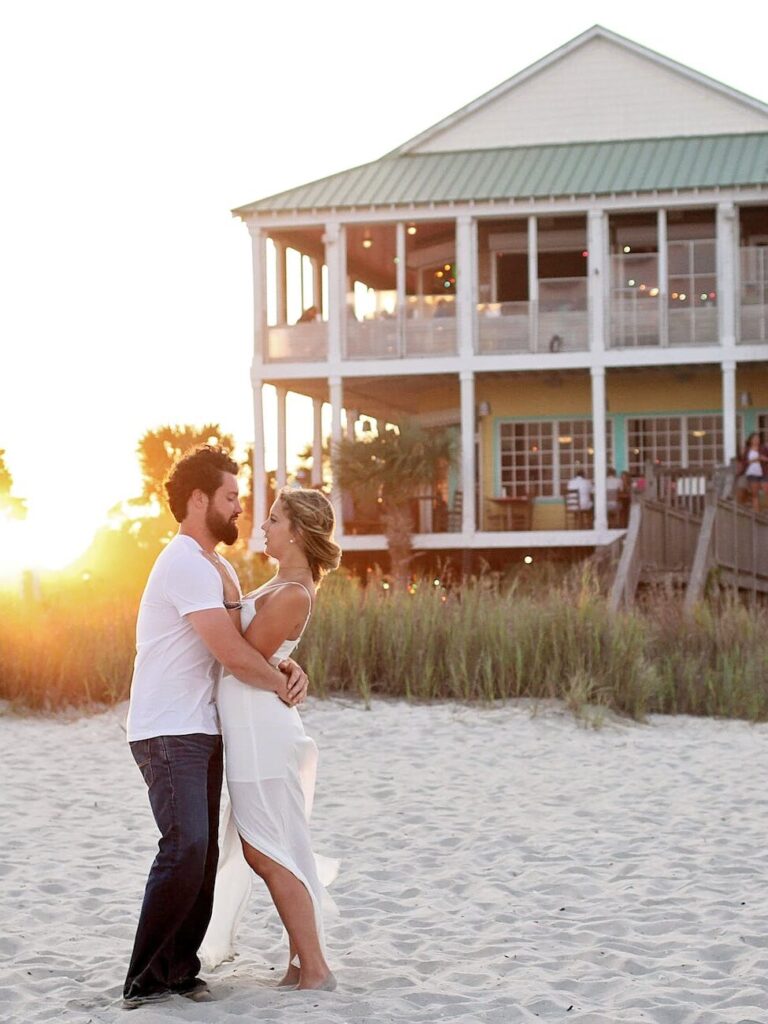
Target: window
{"type": "Point", "coordinates": [691, 440]}
{"type": "Point", "coordinates": [539, 458]}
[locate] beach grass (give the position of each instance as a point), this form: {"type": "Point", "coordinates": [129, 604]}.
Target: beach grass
{"type": "Point", "coordinates": [481, 641]}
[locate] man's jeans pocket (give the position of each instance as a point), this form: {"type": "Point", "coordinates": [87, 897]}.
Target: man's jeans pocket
{"type": "Point", "coordinates": [142, 755]}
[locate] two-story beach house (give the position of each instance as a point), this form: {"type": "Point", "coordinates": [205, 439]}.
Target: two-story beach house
{"type": "Point", "coordinates": [571, 272]}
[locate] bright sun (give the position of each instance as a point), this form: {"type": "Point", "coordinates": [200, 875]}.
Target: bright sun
{"type": "Point", "coordinates": [39, 545]}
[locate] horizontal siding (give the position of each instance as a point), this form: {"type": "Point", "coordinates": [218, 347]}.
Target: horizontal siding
{"type": "Point", "coordinates": [587, 168]}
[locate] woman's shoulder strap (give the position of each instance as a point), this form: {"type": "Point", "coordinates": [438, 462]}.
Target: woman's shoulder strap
{"type": "Point", "coordinates": [295, 583]}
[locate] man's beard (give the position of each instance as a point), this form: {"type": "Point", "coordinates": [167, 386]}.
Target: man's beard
{"type": "Point", "coordinates": [224, 530]}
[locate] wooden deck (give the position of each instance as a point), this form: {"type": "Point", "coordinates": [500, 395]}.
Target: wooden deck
{"type": "Point", "coordinates": [688, 528]}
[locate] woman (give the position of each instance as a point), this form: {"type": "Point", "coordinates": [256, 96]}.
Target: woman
{"type": "Point", "coordinates": [754, 466]}
{"type": "Point", "coordinates": [270, 761]}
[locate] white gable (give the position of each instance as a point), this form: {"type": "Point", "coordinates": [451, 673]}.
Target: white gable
{"type": "Point", "coordinates": [603, 88]}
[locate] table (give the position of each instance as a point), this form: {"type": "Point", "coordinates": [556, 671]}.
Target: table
{"type": "Point", "coordinates": [517, 512]}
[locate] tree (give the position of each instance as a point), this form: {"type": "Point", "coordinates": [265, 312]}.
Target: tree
{"type": "Point", "coordinates": [158, 450]}
{"type": "Point", "coordinates": [10, 506]}
{"type": "Point", "coordinates": [125, 548]}
{"type": "Point", "coordinates": [390, 468]}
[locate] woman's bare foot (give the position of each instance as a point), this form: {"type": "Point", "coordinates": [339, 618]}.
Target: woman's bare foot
{"type": "Point", "coordinates": [291, 977]}
{"type": "Point", "coordinates": [327, 983]}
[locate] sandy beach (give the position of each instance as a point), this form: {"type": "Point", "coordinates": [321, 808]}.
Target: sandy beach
{"type": "Point", "coordinates": [499, 865]}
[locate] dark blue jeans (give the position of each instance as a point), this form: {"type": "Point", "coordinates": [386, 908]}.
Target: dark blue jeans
{"type": "Point", "coordinates": [183, 775]}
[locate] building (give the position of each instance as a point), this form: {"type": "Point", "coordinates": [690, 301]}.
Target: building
{"type": "Point", "coordinates": [571, 272]}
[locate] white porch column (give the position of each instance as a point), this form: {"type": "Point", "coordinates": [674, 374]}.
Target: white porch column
{"type": "Point", "coordinates": [597, 271]}
{"type": "Point", "coordinates": [533, 283]}
{"type": "Point", "coordinates": [663, 250]}
{"type": "Point", "coordinates": [317, 283]}
{"type": "Point", "coordinates": [598, 440]}
{"type": "Point", "coordinates": [352, 418]}
{"type": "Point", "coordinates": [726, 272]}
{"type": "Point", "coordinates": [335, 390]}
{"type": "Point", "coordinates": [728, 369]}
{"type": "Point", "coordinates": [256, 540]}
{"type": "Point", "coordinates": [259, 264]}
{"type": "Point", "coordinates": [281, 284]}
{"type": "Point", "coordinates": [467, 384]}
{"type": "Point", "coordinates": [317, 442]}
{"type": "Point", "coordinates": [400, 268]}
{"type": "Point", "coordinates": [336, 261]}
{"type": "Point", "coordinates": [466, 290]}
{"type": "Point", "coordinates": [281, 476]}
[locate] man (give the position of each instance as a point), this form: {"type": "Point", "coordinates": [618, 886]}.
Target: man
{"type": "Point", "coordinates": [585, 490]}
{"type": "Point", "coordinates": [184, 636]}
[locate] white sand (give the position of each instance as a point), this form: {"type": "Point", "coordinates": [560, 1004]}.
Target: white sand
{"type": "Point", "coordinates": [498, 866]}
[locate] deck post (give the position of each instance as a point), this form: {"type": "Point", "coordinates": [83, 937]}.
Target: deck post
{"type": "Point", "coordinates": [726, 273]}
{"type": "Point", "coordinates": [335, 389]}
{"type": "Point", "coordinates": [317, 442]}
{"type": "Point", "coordinates": [259, 274]}
{"type": "Point", "coordinates": [281, 284]}
{"type": "Point", "coordinates": [728, 370]}
{"type": "Point", "coordinates": [466, 288]}
{"type": "Point", "coordinates": [336, 262]}
{"type": "Point", "coordinates": [533, 283]}
{"type": "Point", "coordinates": [259, 483]}
{"type": "Point", "coordinates": [597, 271]}
{"type": "Point", "coordinates": [467, 385]}
{"type": "Point", "coordinates": [663, 251]}
{"type": "Point", "coordinates": [282, 470]}
{"type": "Point", "coordinates": [600, 458]}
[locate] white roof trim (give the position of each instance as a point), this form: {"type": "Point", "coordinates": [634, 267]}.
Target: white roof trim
{"type": "Point", "coordinates": [596, 32]}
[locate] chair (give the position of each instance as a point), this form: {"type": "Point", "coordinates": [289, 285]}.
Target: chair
{"type": "Point", "coordinates": [494, 517]}
{"type": "Point", "coordinates": [455, 512]}
{"type": "Point", "coordinates": [573, 511]}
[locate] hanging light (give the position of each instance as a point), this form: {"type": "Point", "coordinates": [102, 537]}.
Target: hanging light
{"type": "Point", "coordinates": [411, 229]}
{"type": "Point", "coordinates": [367, 240]}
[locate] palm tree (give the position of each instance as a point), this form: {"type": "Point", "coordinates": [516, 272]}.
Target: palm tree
{"type": "Point", "coordinates": [390, 468]}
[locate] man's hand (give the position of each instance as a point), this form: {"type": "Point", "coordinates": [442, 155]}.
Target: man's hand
{"type": "Point", "coordinates": [231, 592]}
{"type": "Point", "coordinates": [297, 683]}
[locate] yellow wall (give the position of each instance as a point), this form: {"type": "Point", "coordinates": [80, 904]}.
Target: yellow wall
{"type": "Point", "coordinates": [568, 394]}
{"type": "Point", "coordinates": [753, 379]}
{"type": "Point", "coordinates": [670, 389]}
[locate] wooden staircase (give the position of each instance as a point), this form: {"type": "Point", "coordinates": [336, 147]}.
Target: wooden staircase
{"type": "Point", "coordinates": [687, 528]}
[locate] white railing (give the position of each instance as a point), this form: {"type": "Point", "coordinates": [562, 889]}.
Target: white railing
{"type": "Point", "coordinates": [391, 339]}
{"type": "Point", "coordinates": [558, 322]}
{"type": "Point", "coordinates": [298, 343]}
{"type": "Point", "coordinates": [692, 325]}
{"type": "Point", "coordinates": [753, 320]}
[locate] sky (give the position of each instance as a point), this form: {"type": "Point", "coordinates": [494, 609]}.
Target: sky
{"type": "Point", "coordinates": [130, 130]}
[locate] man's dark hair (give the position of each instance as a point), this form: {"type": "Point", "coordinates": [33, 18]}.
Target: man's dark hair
{"type": "Point", "coordinates": [199, 469]}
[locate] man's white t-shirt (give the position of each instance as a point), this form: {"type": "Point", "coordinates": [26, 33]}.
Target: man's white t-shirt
{"type": "Point", "coordinates": [612, 488]}
{"type": "Point", "coordinates": [175, 675]}
{"type": "Point", "coordinates": [585, 489]}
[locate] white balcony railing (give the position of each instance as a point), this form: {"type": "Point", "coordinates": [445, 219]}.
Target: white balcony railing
{"type": "Point", "coordinates": [753, 321]}
{"type": "Point", "coordinates": [393, 339]}
{"type": "Point", "coordinates": [557, 322]}
{"type": "Point", "coordinates": [298, 343]}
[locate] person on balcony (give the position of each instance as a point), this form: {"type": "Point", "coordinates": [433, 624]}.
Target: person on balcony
{"type": "Point", "coordinates": [310, 314]}
{"type": "Point", "coordinates": [585, 489]}
{"type": "Point", "coordinates": [613, 488]}
{"type": "Point", "coordinates": [754, 466]}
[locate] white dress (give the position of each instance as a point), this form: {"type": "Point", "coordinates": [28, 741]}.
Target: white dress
{"type": "Point", "coordinates": [270, 765]}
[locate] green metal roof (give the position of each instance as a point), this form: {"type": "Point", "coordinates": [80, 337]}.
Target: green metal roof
{"type": "Point", "coordinates": [583, 168]}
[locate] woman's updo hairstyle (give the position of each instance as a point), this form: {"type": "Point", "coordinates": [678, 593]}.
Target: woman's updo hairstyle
{"type": "Point", "coordinates": [311, 517]}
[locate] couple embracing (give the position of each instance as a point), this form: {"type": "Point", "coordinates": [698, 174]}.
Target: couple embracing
{"type": "Point", "coordinates": [213, 666]}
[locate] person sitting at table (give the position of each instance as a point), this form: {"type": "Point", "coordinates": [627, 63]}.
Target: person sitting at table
{"type": "Point", "coordinates": [585, 489]}
{"type": "Point", "coordinates": [310, 313]}
{"type": "Point", "coordinates": [613, 488]}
